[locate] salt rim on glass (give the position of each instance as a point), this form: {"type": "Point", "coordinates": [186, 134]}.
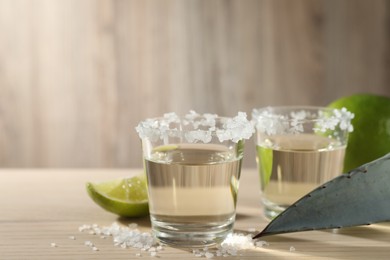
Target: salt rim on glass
{"type": "Point", "coordinates": [194, 127]}
{"type": "Point", "coordinates": [269, 122]}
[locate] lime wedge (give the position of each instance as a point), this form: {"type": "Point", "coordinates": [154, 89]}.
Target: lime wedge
{"type": "Point", "coordinates": [125, 197]}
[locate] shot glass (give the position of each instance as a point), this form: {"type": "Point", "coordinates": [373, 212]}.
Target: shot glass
{"type": "Point", "coordinates": [193, 166]}
{"type": "Point", "coordinates": [298, 148]}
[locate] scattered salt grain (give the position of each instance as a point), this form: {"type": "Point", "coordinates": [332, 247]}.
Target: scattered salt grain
{"type": "Point", "coordinates": [131, 237]}
{"type": "Point", "coordinates": [133, 226]}
{"type": "Point", "coordinates": [84, 227]}
{"type": "Point", "coordinates": [261, 243]}
{"type": "Point", "coordinates": [72, 237]}
{"type": "Point", "coordinates": [53, 244]}
{"type": "Point", "coordinates": [233, 245]}
{"type": "Point", "coordinates": [88, 243]}
{"type": "Point", "coordinates": [209, 255]}
{"type": "Point", "coordinates": [292, 249]}
{"type": "Point", "coordinates": [237, 242]}
{"type": "Point", "coordinates": [124, 237]}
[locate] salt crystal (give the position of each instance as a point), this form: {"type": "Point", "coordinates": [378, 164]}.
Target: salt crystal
{"type": "Point", "coordinates": [237, 241]}
{"type": "Point", "coordinates": [198, 135]}
{"type": "Point", "coordinates": [88, 243]}
{"type": "Point", "coordinates": [131, 237]}
{"type": "Point", "coordinates": [72, 237]}
{"type": "Point", "coordinates": [94, 248]}
{"type": "Point", "coordinates": [53, 244]}
{"type": "Point", "coordinates": [261, 243]}
{"type": "Point", "coordinates": [232, 252]}
{"type": "Point", "coordinates": [191, 115]}
{"type": "Point", "coordinates": [292, 248]}
{"type": "Point", "coordinates": [200, 127]}
{"type": "Point", "coordinates": [269, 122]}
{"type": "Point", "coordinates": [133, 226]}
{"type": "Point", "coordinates": [84, 227]}
{"type": "Point", "coordinates": [209, 255]}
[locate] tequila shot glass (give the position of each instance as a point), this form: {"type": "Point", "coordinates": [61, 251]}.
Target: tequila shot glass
{"type": "Point", "coordinates": [193, 166]}
{"type": "Point", "coordinates": [297, 148]}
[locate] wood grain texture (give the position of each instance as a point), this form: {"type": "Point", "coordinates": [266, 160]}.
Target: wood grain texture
{"type": "Point", "coordinates": [44, 206]}
{"type": "Point", "coordinates": [76, 77]}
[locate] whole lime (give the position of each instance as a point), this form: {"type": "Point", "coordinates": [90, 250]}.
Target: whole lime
{"type": "Point", "coordinates": [371, 136]}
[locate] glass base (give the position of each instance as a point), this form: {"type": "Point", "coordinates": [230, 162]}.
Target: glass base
{"type": "Point", "coordinates": [271, 210]}
{"type": "Point", "coordinates": [191, 235]}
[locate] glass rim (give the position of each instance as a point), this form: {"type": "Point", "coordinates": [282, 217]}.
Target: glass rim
{"type": "Point", "coordinates": [182, 122]}
{"type": "Point", "coordinates": [197, 127]}
{"type": "Point", "coordinates": [277, 111]}
{"type": "Point", "coordinates": [292, 119]}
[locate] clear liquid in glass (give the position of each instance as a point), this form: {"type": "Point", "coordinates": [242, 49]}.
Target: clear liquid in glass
{"type": "Point", "coordinates": [192, 192]}
{"type": "Point", "coordinates": [291, 166]}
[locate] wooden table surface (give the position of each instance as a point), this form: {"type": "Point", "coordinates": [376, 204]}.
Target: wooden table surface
{"type": "Point", "coordinates": [40, 207]}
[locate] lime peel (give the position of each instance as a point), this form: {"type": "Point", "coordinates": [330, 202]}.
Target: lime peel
{"type": "Point", "coordinates": [124, 197]}
{"type": "Point", "coordinates": [371, 128]}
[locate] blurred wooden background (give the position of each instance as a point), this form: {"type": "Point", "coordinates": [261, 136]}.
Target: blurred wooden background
{"type": "Point", "coordinates": [77, 76]}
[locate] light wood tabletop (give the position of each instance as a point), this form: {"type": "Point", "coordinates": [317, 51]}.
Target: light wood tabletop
{"type": "Point", "coordinates": [39, 207]}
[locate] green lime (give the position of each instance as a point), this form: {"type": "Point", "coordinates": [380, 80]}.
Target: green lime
{"type": "Point", "coordinates": [125, 197]}
{"type": "Point", "coordinates": [370, 138]}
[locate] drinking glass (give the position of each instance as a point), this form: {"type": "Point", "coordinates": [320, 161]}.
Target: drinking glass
{"type": "Point", "coordinates": [298, 148]}
{"type": "Point", "coordinates": [193, 166]}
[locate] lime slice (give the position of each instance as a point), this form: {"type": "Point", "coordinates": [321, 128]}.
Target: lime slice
{"type": "Point", "coordinates": [125, 197]}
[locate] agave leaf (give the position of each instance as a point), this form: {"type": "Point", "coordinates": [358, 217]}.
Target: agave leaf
{"type": "Point", "coordinates": [359, 197]}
